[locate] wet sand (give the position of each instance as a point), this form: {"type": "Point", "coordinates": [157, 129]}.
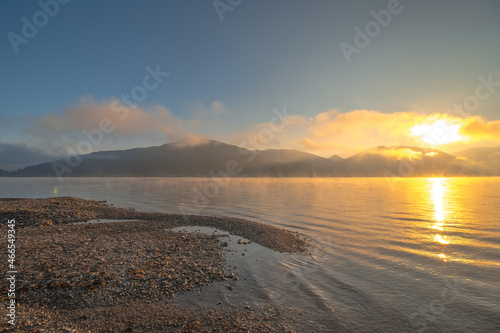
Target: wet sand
{"type": "Point", "coordinates": [125, 276]}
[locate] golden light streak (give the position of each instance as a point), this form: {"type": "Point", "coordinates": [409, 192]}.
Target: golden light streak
{"type": "Point", "coordinates": [441, 239]}
{"type": "Point", "coordinates": [437, 192]}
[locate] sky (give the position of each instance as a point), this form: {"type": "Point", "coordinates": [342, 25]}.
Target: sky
{"type": "Point", "coordinates": [326, 77]}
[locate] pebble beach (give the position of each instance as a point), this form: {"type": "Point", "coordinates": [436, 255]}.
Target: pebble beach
{"type": "Point", "coordinates": [125, 275]}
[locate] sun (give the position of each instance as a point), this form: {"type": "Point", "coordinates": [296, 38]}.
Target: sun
{"type": "Point", "coordinates": [439, 132]}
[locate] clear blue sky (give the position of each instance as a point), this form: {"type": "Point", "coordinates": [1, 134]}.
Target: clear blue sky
{"type": "Point", "coordinates": [263, 55]}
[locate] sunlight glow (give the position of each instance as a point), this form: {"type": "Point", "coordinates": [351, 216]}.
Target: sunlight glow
{"type": "Point", "coordinates": [439, 132]}
{"type": "Point", "coordinates": [401, 153]}
{"type": "Point", "coordinates": [437, 193]}
{"type": "Point", "coordinates": [442, 256]}
{"type": "Point", "coordinates": [441, 239]}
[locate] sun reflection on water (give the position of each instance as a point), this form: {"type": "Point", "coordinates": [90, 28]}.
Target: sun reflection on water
{"type": "Point", "coordinates": [438, 191]}
{"type": "Point", "coordinates": [441, 239]}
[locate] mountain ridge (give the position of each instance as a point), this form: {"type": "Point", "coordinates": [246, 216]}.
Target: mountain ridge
{"type": "Point", "coordinates": [211, 158]}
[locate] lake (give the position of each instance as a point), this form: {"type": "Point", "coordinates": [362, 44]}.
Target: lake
{"type": "Point", "coordinates": [387, 254]}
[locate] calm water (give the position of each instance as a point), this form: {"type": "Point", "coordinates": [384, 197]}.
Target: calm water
{"type": "Point", "coordinates": [389, 255]}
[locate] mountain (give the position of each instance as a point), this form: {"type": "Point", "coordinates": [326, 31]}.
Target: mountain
{"type": "Point", "coordinates": [288, 156]}
{"type": "Point", "coordinates": [179, 159]}
{"type": "Point", "coordinates": [173, 159]}
{"type": "Point", "coordinates": [14, 156]}
{"type": "Point", "coordinates": [407, 162]}
{"type": "Point", "coordinates": [213, 158]}
{"type": "Point", "coordinates": [487, 158]}
{"type": "Point", "coordinates": [283, 162]}
{"type": "Point", "coordinates": [336, 158]}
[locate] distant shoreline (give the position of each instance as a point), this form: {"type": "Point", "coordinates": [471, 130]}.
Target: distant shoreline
{"type": "Point", "coordinates": [217, 159]}
{"type": "Point", "coordinates": [124, 275]}
{"type": "Point", "coordinates": [256, 177]}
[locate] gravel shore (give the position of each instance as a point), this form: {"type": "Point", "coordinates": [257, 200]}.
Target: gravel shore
{"type": "Point", "coordinates": [124, 276]}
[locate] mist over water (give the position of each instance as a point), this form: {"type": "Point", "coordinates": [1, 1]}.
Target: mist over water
{"type": "Point", "coordinates": [387, 255]}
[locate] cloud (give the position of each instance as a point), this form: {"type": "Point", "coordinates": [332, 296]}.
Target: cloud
{"type": "Point", "coordinates": [478, 129]}
{"type": "Point", "coordinates": [218, 108]}
{"type": "Point", "coordinates": [327, 133]}
{"type": "Point", "coordinates": [52, 136]}
{"type": "Point", "coordinates": [311, 145]}
{"type": "Point", "coordinates": [129, 126]}
{"type": "Point", "coordinates": [215, 109]}
{"type": "Point", "coordinates": [347, 133]}
{"type": "Point", "coordinates": [373, 128]}
{"type": "Point", "coordinates": [126, 121]}
{"type": "Point", "coordinates": [402, 153]}
{"type": "Point", "coordinates": [191, 141]}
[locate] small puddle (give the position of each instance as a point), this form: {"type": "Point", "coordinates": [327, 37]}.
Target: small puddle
{"type": "Point", "coordinates": [103, 221]}
{"type": "Point", "coordinates": [246, 260]}
{"type": "Point", "coordinates": [267, 281]}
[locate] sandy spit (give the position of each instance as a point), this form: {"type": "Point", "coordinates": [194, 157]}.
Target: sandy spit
{"type": "Point", "coordinates": [124, 276]}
